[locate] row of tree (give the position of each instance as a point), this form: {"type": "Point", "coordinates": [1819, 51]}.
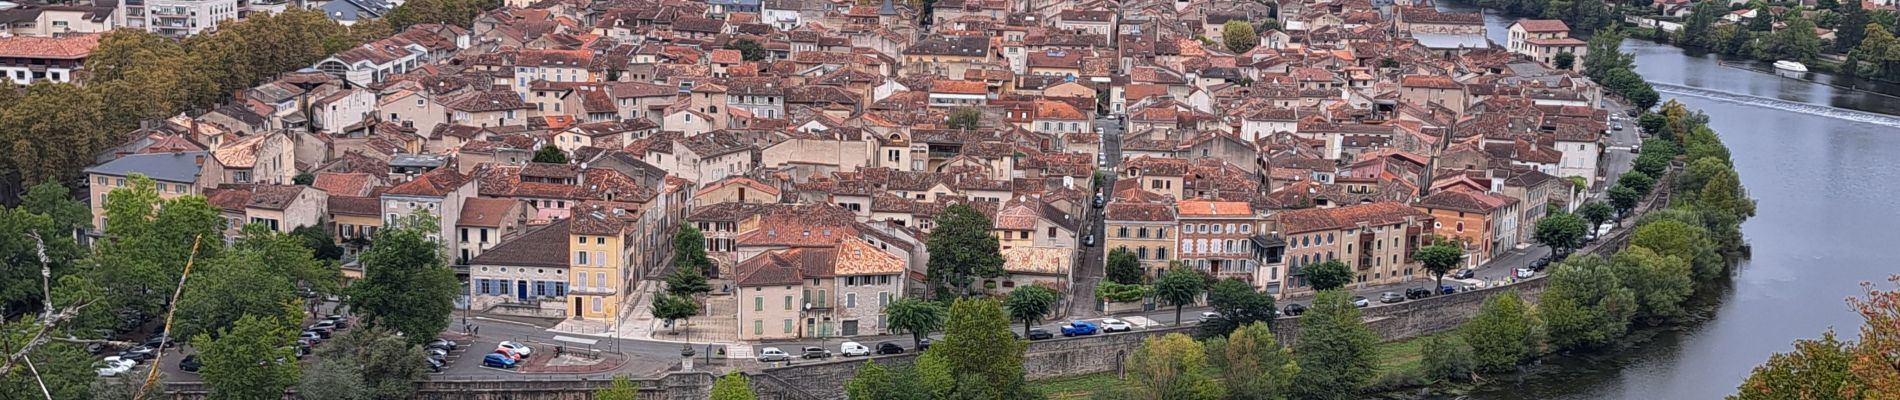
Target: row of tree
{"type": "Point", "coordinates": [1581, 16]}
{"type": "Point", "coordinates": [1615, 70]}
{"type": "Point", "coordinates": [1758, 38]}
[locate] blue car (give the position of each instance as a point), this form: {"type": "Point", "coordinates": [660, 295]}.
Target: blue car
{"type": "Point", "coordinates": [1078, 328]}
{"type": "Point", "coordinates": [498, 360]}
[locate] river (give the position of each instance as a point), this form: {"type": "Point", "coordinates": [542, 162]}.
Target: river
{"type": "Point", "coordinates": [1822, 162]}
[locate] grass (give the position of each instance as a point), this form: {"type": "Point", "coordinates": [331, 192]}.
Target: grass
{"type": "Point", "coordinates": [1400, 357]}
{"type": "Point", "coordinates": [1077, 387]}
{"type": "Point", "coordinates": [1396, 359]}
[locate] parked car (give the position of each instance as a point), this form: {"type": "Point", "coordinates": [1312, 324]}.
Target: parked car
{"type": "Point", "coordinates": [1360, 301]}
{"type": "Point", "coordinates": [889, 348]}
{"type": "Point", "coordinates": [771, 354]}
{"type": "Point", "coordinates": [1636, 149]}
{"type": "Point", "coordinates": [508, 352]}
{"type": "Point", "coordinates": [1523, 273]}
{"type": "Point", "coordinates": [1040, 334]}
{"type": "Point", "coordinates": [115, 365]}
{"type": "Point", "coordinates": [498, 360]}
{"type": "Point", "coordinates": [436, 364]}
{"type": "Point", "coordinates": [1463, 273]}
{"type": "Point", "coordinates": [309, 337]}
{"type": "Point", "coordinates": [1209, 316]}
{"type": "Point", "coordinates": [1293, 310]}
{"type": "Point", "coordinates": [519, 348]}
{"type": "Point", "coordinates": [190, 363]}
{"type": "Point", "coordinates": [435, 352]}
{"type": "Point", "coordinates": [853, 349]}
{"type": "Point", "coordinates": [321, 333]}
{"type": "Point", "coordinates": [1539, 263]}
{"type": "Point", "coordinates": [139, 353]}
{"type": "Point", "coordinates": [1115, 325]}
{"type": "Point", "coordinates": [159, 341]}
{"type": "Point", "coordinates": [1099, 200]}
{"type": "Point", "coordinates": [1417, 293]}
{"type": "Point", "coordinates": [811, 352]}
{"type": "Point", "coordinates": [1391, 297]}
{"type": "Point", "coordinates": [1078, 328]}
{"type": "Point", "coordinates": [923, 344]}
{"type": "Point", "coordinates": [1089, 240]}
{"type": "Point", "coordinates": [443, 344]}
{"type": "Point", "coordinates": [1447, 289]}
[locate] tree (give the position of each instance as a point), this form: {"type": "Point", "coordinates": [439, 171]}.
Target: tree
{"type": "Point", "coordinates": [1723, 193]}
{"type": "Point", "coordinates": [1696, 31]}
{"type": "Point", "coordinates": [1337, 355]}
{"type": "Point", "coordinates": [748, 48]}
{"type": "Point", "coordinates": [1565, 60]}
{"type": "Point", "coordinates": [1239, 36]}
{"type": "Point", "coordinates": [978, 346]}
{"type": "Point", "coordinates": [232, 286]}
{"type": "Point", "coordinates": [1660, 284]}
{"type": "Point", "coordinates": [1251, 362]}
{"type": "Point", "coordinates": [375, 362]}
{"type": "Point", "coordinates": [1597, 213]}
{"type": "Point", "coordinates": [65, 368]}
{"type": "Point", "coordinates": [407, 285]}
{"type": "Point", "coordinates": [1584, 305]}
{"type": "Point", "coordinates": [1030, 303]}
{"type": "Point", "coordinates": [1798, 41]}
{"type": "Point", "coordinates": [1578, 184]}
{"type": "Point", "coordinates": [1624, 198]}
{"type": "Point", "coordinates": [1328, 275]}
{"type": "Point", "coordinates": [1179, 287]}
{"type": "Point", "coordinates": [550, 155]}
{"type": "Point", "coordinates": [451, 12]}
{"type": "Point", "coordinates": [1123, 268]}
{"type": "Point", "coordinates": [1238, 305]}
{"type": "Point", "coordinates": [46, 210]}
{"type": "Point", "coordinates": [250, 360]}
{"type": "Point", "coordinates": [733, 386]}
{"type": "Point", "coordinates": [622, 389]}
{"type": "Point", "coordinates": [690, 263]}
{"type": "Point", "coordinates": [1172, 367]}
{"type": "Point", "coordinates": [1677, 238]}
{"type": "Point", "coordinates": [1651, 122]}
{"type": "Point", "coordinates": [1504, 334]}
{"type": "Point", "coordinates": [1637, 180]}
{"type": "Point", "coordinates": [1816, 369]}
{"type": "Point", "coordinates": [1561, 231]}
{"type": "Point", "coordinates": [1439, 259]}
{"type": "Point", "coordinates": [674, 309]}
{"type": "Point", "coordinates": [319, 240]}
{"type": "Point", "coordinates": [872, 382]}
{"type": "Point", "coordinates": [1652, 163]}
{"type": "Point", "coordinates": [1879, 339]}
{"type": "Point", "coordinates": [967, 118]}
{"type": "Point", "coordinates": [1446, 356]}
{"type": "Point", "coordinates": [1851, 29]}
{"type": "Point", "coordinates": [962, 249]}
{"type": "Point", "coordinates": [917, 316]}
{"type": "Point", "coordinates": [148, 242]}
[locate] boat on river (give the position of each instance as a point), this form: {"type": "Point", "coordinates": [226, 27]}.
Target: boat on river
{"type": "Point", "coordinates": [1791, 66]}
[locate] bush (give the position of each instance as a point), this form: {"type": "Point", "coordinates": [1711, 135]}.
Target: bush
{"type": "Point", "coordinates": [1447, 357]}
{"type": "Point", "coordinates": [1119, 293]}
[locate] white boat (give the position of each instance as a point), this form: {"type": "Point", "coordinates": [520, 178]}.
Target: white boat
{"type": "Point", "coordinates": [1786, 65]}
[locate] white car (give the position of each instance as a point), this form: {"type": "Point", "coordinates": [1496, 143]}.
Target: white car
{"type": "Point", "coordinates": [1524, 273]}
{"type": "Point", "coordinates": [1115, 325]}
{"type": "Point", "coordinates": [1604, 229]}
{"type": "Point", "coordinates": [518, 348]}
{"type": "Point", "coordinates": [853, 349]}
{"type": "Point", "coordinates": [771, 354]}
{"type": "Point", "coordinates": [114, 365]}
{"type": "Point", "coordinates": [1209, 316]}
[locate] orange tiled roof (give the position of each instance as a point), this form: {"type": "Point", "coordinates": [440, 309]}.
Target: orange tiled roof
{"type": "Point", "coordinates": [66, 48]}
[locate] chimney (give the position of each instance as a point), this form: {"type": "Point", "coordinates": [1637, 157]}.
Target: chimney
{"type": "Point", "coordinates": [199, 159]}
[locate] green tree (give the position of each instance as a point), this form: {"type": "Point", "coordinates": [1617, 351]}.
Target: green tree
{"type": "Point", "coordinates": [1652, 163]}
{"type": "Point", "coordinates": [1439, 259]}
{"type": "Point", "coordinates": [1584, 305]}
{"type": "Point", "coordinates": [917, 316]}
{"type": "Point", "coordinates": [49, 212]}
{"type": "Point", "coordinates": [733, 386]}
{"type": "Point", "coordinates": [1651, 122]}
{"type": "Point", "coordinates": [622, 389]}
{"type": "Point", "coordinates": [978, 346]}
{"type": "Point", "coordinates": [1446, 356]}
{"type": "Point", "coordinates": [1030, 303]}
{"type": "Point", "coordinates": [1180, 287]}
{"type": "Point", "coordinates": [1238, 305]}
{"type": "Point", "coordinates": [1504, 334]}
{"type": "Point", "coordinates": [1637, 180]}
{"type": "Point", "coordinates": [1660, 284]}
{"type": "Point", "coordinates": [690, 263]}
{"type": "Point", "coordinates": [376, 363]}
{"type": "Point", "coordinates": [451, 12]}
{"type": "Point", "coordinates": [1724, 193]}
{"type": "Point", "coordinates": [1624, 198]}
{"type": "Point", "coordinates": [1697, 29]}
{"type": "Point", "coordinates": [967, 118]}
{"type": "Point", "coordinates": [330, 379]}
{"type": "Point", "coordinates": [1172, 367]}
{"type": "Point", "coordinates": [962, 249]}
{"type": "Point", "coordinates": [872, 382]}
{"type": "Point", "coordinates": [1851, 29]}
{"type": "Point", "coordinates": [250, 360]}
{"type": "Point", "coordinates": [65, 368]}
{"type": "Point", "coordinates": [319, 240]}
{"type": "Point", "coordinates": [1337, 355]}
{"type": "Point", "coordinates": [1123, 268]}
{"type": "Point", "coordinates": [148, 240]}
{"type": "Point", "coordinates": [1597, 213]}
{"type": "Point", "coordinates": [303, 179]}
{"type": "Point", "coordinates": [1239, 36]}
{"type": "Point", "coordinates": [1328, 275]}
{"type": "Point", "coordinates": [1561, 231]}
{"type": "Point", "coordinates": [1578, 184]}
{"type": "Point", "coordinates": [232, 286]}
{"type": "Point", "coordinates": [550, 155]}
{"type": "Point", "coordinates": [1680, 239]}
{"type": "Point", "coordinates": [290, 255]}
{"type": "Point", "coordinates": [748, 48]}
{"type": "Point", "coordinates": [407, 285]}
{"type": "Point", "coordinates": [1816, 369]}
{"type": "Point", "coordinates": [674, 309]}
{"type": "Point", "coordinates": [1565, 60]}
{"type": "Point", "coordinates": [1119, 293]}
{"type": "Point", "coordinates": [1251, 363]}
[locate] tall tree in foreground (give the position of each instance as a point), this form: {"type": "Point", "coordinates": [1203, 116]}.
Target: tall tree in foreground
{"type": "Point", "coordinates": [1252, 363]}
{"type": "Point", "coordinates": [916, 316]}
{"type": "Point", "coordinates": [1597, 213]}
{"type": "Point", "coordinates": [1328, 275]}
{"type": "Point", "coordinates": [1238, 305]}
{"type": "Point", "coordinates": [1659, 283]}
{"type": "Point", "coordinates": [1503, 334]}
{"type": "Point", "coordinates": [384, 365]}
{"type": "Point", "coordinates": [689, 252]}
{"type": "Point", "coordinates": [1562, 232]}
{"type": "Point", "coordinates": [1123, 267]}
{"type": "Point", "coordinates": [407, 285]}
{"type": "Point", "coordinates": [962, 250]}
{"type": "Point", "coordinates": [250, 360]}
{"type": "Point", "coordinates": [733, 386]}
{"type": "Point", "coordinates": [1179, 287]}
{"type": "Point", "coordinates": [1030, 303]}
{"type": "Point", "coordinates": [1585, 305]}
{"type": "Point", "coordinates": [1816, 369]}
{"type": "Point", "coordinates": [1439, 259]}
{"type": "Point", "coordinates": [979, 347]}
{"type": "Point", "coordinates": [1172, 367]}
{"type": "Point", "coordinates": [1336, 351]}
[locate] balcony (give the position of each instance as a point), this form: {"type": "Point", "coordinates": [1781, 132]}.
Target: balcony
{"type": "Point", "coordinates": [591, 290]}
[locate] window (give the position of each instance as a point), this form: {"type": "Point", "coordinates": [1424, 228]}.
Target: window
{"type": "Point", "coordinates": [1161, 253]}
{"type": "Point", "coordinates": [600, 278]}
{"type": "Point", "coordinates": [600, 257]}
{"type": "Point", "coordinates": [583, 282]}
{"type": "Point", "coordinates": [1141, 253]}
{"type": "Point", "coordinates": [883, 299]}
{"type": "Point", "coordinates": [580, 258]}
{"type": "Point", "coordinates": [1052, 232]}
{"type": "Point", "coordinates": [578, 239]}
{"type": "Point", "coordinates": [1121, 232]}
{"type": "Point", "coordinates": [599, 240]}
{"type": "Point", "coordinates": [758, 327]}
{"type": "Point", "coordinates": [850, 300]}
{"type": "Point", "coordinates": [1143, 233]}
{"type": "Point", "coordinates": [1161, 233]}
{"type": "Point", "coordinates": [822, 297]}
{"type": "Point", "coordinates": [1216, 228]}
{"type": "Point", "coordinates": [788, 302]}
{"type": "Point", "coordinates": [758, 303]}
{"type": "Point", "coordinates": [596, 303]}
{"type": "Point", "coordinates": [788, 326]}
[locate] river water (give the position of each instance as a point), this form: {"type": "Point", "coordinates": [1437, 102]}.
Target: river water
{"type": "Point", "coordinates": [1821, 160]}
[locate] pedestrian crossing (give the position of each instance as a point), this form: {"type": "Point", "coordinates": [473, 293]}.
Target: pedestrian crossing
{"type": "Point", "coordinates": [739, 351]}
